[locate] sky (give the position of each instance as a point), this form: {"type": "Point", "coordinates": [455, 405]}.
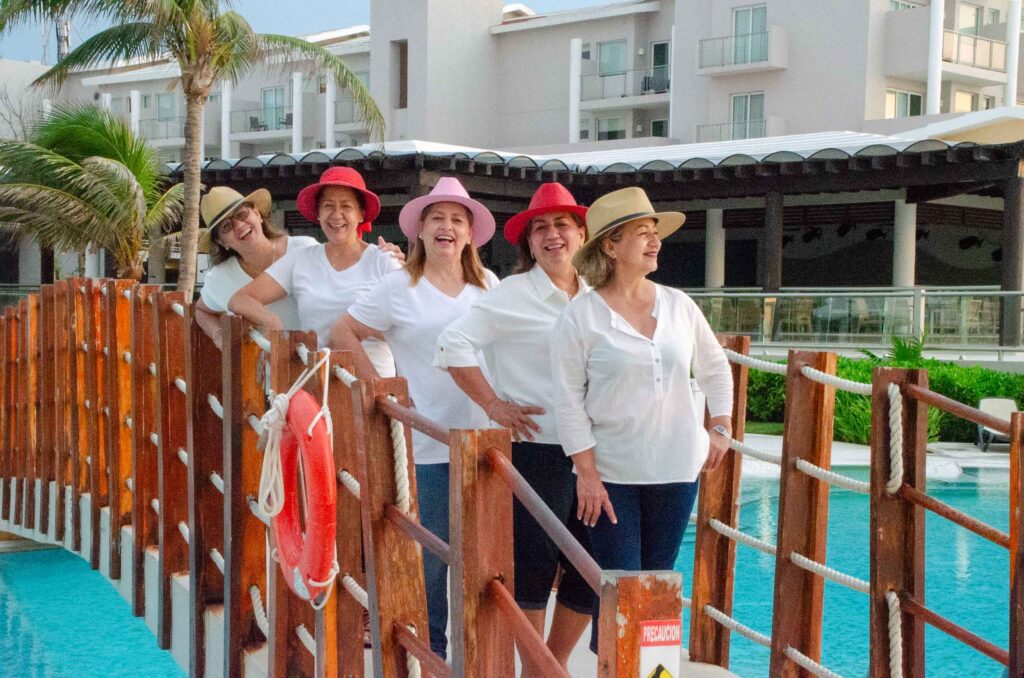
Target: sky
{"type": "Point", "coordinates": [25, 42]}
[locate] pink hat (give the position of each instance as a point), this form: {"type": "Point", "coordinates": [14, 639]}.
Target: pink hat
{"type": "Point", "coordinates": [345, 177]}
{"type": "Point", "coordinates": [550, 197]}
{"type": "Point", "coordinates": [448, 189]}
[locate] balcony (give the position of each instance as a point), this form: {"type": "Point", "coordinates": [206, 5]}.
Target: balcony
{"type": "Point", "coordinates": [733, 131]}
{"type": "Point", "coordinates": [644, 88]}
{"type": "Point", "coordinates": [973, 51]}
{"type": "Point", "coordinates": [165, 132]}
{"type": "Point", "coordinates": [254, 124]}
{"type": "Point", "coordinates": [750, 53]}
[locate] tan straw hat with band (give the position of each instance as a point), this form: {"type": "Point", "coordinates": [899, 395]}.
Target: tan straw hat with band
{"type": "Point", "coordinates": [220, 202]}
{"type": "Point", "coordinates": [622, 206]}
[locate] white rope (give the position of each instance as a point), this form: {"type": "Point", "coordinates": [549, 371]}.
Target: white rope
{"type": "Point", "coordinates": [178, 309]}
{"type": "Point", "coordinates": [848, 385]}
{"type": "Point", "coordinates": [258, 611]}
{"type": "Point", "coordinates": [346, 377]}
{"type": "Point", "coordinates": [895, 635]}
{"type": "Point", "coordinates": [128, 422]}
{"type": "Point", "coordinates": [255, 424]}
{"type": "Point", "coordinates": [130, 484]}
{"type": "Point", "coordinates": [260, 340]}
{"type": "Point", "coordinates": [254, 508]}
{"type": "Point", "coordinates": [215, 405]}
{"type": "Point", "coordinates": [183, 528]}
{"type": "Point", "coordinates": [332, 576]}
{"type": "Point", "coordinates": [81, 288]}
{"type": "Point", "coordinates": [895, 440]}
{"type": "Point", "coordinates": [106, 351]}
{"type": "Point", "coordinates": [180, 383]}
{"type": "Point", "coordinates": [127, 355]}
{"type": "Point", "coordinates": [88, 405]}
{"type": "Point", "coordinates": [306, 639]}
{"type": "Point", "coordinates": [753, 542]}
{"type": "Point", "coordinates": [412, 664]}
{"type": "Point", "coordinates": [152, 299]}
{"type": "Point", "coordinates": [687, 602]}
{"type": "Point", "coordinates": [748, 451]}
{"type": "Point", "coordinates": [183, 456]}
{"type": "Point", "coordinates": [303, 354]}
{"type": "Point", "coordinates": [104, 291]}
{"type": "Point", "coordinates": [763, 365]}
{"type": "Point", "coordinates": [155, 505]}
{"type": "Point", "coordinates": [85, 347]}
{"type": "Point", "coordinates": [733, 625]}
{"type": "Point", "coordinates": [832, 478]}
{"type": "Point", "coordinates": [356, 591]}
{"type": "Point", "coordinates": [88, 460]}
{"type": "Point", "coordinates": [127, 294]}
{"type": "Point", "coordinates": [806, 662]}
{"type": "Point", "coordinates": [152, 369]}
{"type": "Point", "coordinates": [827, 572]}
{"type": "Point", "coordinates": [271, 496]}
{"type": "Point", "coordinates": [217, 559]}
{"type": "Point", "coordinates": [402, 498]}
{"type": "Point", "coordinates": [350, 483]}
{"type": "Point", "coordinates": [155, 439]}
{"type": "Point", "coordinates": [217, 481]}
{"type": "Point", "coordinates": [106, 411]}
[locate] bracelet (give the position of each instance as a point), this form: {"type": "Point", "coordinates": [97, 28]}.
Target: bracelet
{"type": "Point", "coordinates": [491, 407]}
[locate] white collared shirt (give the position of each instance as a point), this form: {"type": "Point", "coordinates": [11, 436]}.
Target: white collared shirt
{"type": "Point", "coordinates": [629, 397]}
{"type": "Point", "coordinates": [512, 324]}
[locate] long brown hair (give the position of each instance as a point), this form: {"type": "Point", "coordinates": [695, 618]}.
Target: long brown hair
{"type": "Point", "coordinates": [219, 253]}
{"type": "Point", "coordinates": [472, 267]}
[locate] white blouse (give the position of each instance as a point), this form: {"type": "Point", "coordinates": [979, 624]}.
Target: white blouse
{"type": "Point", "coordinates": [629, 397]}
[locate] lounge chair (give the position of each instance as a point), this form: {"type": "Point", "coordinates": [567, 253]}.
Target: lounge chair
{"type": "Point", "coordinates": [997, 407]}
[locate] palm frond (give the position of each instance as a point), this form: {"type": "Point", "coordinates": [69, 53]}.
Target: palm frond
{"type": "Point", "coordinates": [56, 218]}
{"type": "Point", "coordinates": [14, 13]}
{"type": "Point", "coordinates": [126, 41]}
{"type": "Point", "coordinates": [167, 210]}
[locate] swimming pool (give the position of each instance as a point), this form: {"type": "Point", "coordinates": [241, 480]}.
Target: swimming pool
{"type": "Point", "coordinates": [967, 577]}
{"type": "Point", "coordinates": [60, 619]}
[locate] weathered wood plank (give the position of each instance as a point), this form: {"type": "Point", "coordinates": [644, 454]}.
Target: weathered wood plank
{"type": "Point", "coordinates": [1016, 544]}
{"type": "Point", "coordinates": [78, 306]}
{"type": "Point", "coordinates": [30, 391]}
{"type": "Point", "coordinates": [61, 403]}
{"type": "Point", "coordinates": [96, 388]}
{"type": "Point", "coordinates": [118, 403]}
{"type": "Point", "coordinates": [47, 412]}
{"type": "Point", "coordinates": [627, 600]}
{"type": "Point", "coordinates": [9, 423]}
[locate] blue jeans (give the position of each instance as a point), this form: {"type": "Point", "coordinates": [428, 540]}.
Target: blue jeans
{"type": "Point", "coordinates": [652, 519]}
{"type": "Point", "coordinates": [432, 489]}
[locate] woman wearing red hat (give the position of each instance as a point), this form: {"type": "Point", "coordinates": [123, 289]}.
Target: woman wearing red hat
{"type": "Point", "coordinates": [512, 324]}
{"type": "Point", "coordinates": [327, 279]}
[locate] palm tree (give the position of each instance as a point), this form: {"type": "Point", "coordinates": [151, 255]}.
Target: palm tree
{"type": "Point", "coordinates": [209, 43]}
{"type": "Point", "coordinates": [83, 178]}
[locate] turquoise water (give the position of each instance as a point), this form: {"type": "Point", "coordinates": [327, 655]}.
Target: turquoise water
{"type": "Point", "coordinates": [60, 619]}
{"type": "Point", "coordinates": [967, 577]}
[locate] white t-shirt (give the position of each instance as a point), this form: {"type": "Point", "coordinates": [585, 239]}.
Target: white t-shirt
{"type": "Point", "coordinates": [323, 293]}
{"type": "Point", "coordinates": [411, 319]}
{"type": "Point", "coordinates": [223, 280]}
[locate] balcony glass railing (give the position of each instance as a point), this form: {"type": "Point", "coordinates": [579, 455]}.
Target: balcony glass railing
{"type": "Point", "coordinates": [262, 119]}
{"type": "Point", "coordinates": [734, 50]}
{"type": "Point", "coordinates": [170, 128]}
{"type": "Point", "coordinates": [729, 131]}
{"type": "Point", "coordinates": [345, 111]}
{"type": "Point", "coordinates": [971, 50]}
{"type": "Point", "coordinates": [626, 83]}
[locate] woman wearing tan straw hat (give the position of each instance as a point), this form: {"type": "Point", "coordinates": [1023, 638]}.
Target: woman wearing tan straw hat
{"type": "Point", "coordinates": [325, 280]}
{"type": "Point", "coordinates": [409, 309]}
{"type": "Point", "coordinates": [513, 323]}
{"type": "Point", "coordinates": [241, 243]}
{"type": "Point", "coordinates": [622, 356]}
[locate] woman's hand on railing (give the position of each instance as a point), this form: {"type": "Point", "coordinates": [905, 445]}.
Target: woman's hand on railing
{"type": "Point", "coordinates": [515, 418]}
{"type": "Point", "coordinates": [591, 495]}
{"type": "Point", "coordinates": [718, 443]}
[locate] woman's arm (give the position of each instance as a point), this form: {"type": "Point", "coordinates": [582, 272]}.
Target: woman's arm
{"type": "Point", "coordinates": [251, 302]}
{"type": "Point", "coordinates": [348, 335]}
{"type": "Point", "coordinates": [591, 495]}
{"type": "Point", "coordinates": [506, 413]}
{"type": "Point", "coordinates": [209, 322]}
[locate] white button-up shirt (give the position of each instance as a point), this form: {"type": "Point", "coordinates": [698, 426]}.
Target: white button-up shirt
{"type": "Point", "coordinates": [512, 324]}
{"type": "Point", "coordinates": [629, 397]}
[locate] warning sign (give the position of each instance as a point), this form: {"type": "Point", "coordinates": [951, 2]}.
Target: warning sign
{"type": "Point", "coordinates": [660, 642]}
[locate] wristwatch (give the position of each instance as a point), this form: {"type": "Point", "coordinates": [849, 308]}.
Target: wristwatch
{"type": "Point", "coordinates": [721, 430]}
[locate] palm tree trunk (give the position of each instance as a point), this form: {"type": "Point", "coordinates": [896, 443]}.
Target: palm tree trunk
{"type": "Point", "coordinates": [190, 218]}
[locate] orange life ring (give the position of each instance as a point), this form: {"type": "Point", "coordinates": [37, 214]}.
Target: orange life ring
{"type": "Point", "coordinates": [307, 560]}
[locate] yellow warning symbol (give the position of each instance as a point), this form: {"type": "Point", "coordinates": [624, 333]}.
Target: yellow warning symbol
{"type": "Point", "coordinates": [660, 672]}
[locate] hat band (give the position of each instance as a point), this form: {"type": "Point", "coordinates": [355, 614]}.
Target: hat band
{"type": "Point", "coordinates": [621, 220]}
{"type": "Point", "coordinates": [224, 212]}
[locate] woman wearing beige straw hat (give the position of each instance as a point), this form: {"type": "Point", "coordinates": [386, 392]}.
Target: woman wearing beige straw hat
{"type": "Point", "coordinates": [621, 357]}
{"type": "Point", "coordinates": [409, 309]}
{"type": "Point", "coordinates": [241, 243]}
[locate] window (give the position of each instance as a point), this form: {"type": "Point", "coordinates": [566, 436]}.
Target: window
{"type": "Point", "coordinates": [273, 107]}
{"type": "Point", "coordinates": [968, 19]}
{"type": "Point", "coordinates": [750, 34]}
{"type": "Point", "coordinates": [145, 100]}
{"type": "Point", "coordinates": [585, 54]}
{"type": "Point", "coordinates": [611, 58]}
{"type": "Point", "coordinates": [165, 108]}
{"type": "Point", "coordinates": [321, 84]}
{"type": "Point", "coordinates": [747, 116]}
{"type": "Point", "coordinates": [992, 16]}
{"type": "Point", "coordinates": [117, 105]}
{"type": "Point", "coordinates": [900, 104]}
{"type": "Point", "coordinates": [965, 102]}
{"type": "Point", "coordinates": [660, 67]}
{"type": "Point", "coordinates": [400, 74]}
{"type": "Point", "coordinates": [898, 5]}
{"type": "Point", "coordinates": [659, 128]}
{"type": "Point", "coordinates": [611, 128]}
{"type": "Point", "coordinates": [213, 99]}
{"type": "Point", "coordinates": [584, 129]}
{"type": "Point", "coordinates": [988, 102]}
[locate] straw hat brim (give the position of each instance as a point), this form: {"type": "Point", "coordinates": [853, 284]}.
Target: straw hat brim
{"type": "Point", "coordinates": [260, 199]}
{"type": "Point", "coordinates": [668, 223]}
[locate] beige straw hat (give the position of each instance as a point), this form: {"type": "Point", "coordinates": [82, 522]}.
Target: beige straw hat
{"type": "Point", "coordinates": [622, 206]}
{"type": "Point", "coordinates": [221, 201]}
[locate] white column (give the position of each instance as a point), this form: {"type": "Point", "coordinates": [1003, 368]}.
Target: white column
{"type": "Point", "coordinates": [1012, 52]}
{"type": "Point", "coordinates": [135, 99]}
{"type": "Point", "coordinates": [671, 99]}
{"type": "Point", "coordinates": [296, 112]}
{"type": "Point", "coordinates": [330, 99]}
{"type": "Point", "coordinates": [935, 31]}
{"type": "Point", "coordinates": [904, 244]}
{"type": "Point", "coordinates": [714, 250]}
{"type": "Point", "coordinates": [575, 73]}
{"type": "Point", "coordinates": [226, 88]}
{"type": "Point", "coordinates": [105, 101]}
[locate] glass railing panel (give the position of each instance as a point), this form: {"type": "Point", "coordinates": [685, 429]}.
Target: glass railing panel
{"type": "Point", "coordinates": [170, 128]}
{"type": "Point", "coordinates": [265, 119]}
{"type": "Point", "coordinates": [732, 50]}
{"type": "Point", "coordinates": [625, 83]}
{"type": "Point", "coordinates": [731, 131]}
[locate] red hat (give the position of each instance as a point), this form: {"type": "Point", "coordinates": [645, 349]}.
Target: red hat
{"type": "Point", "coordinates": [550, 197]}
{"type": "Point", "coordinates": [346, 177]}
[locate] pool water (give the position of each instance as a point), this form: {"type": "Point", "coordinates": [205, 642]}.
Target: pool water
{"type": "Point", "coordinates": [60, 619]}
{"type": "Point", "coordinates": [967, 577]}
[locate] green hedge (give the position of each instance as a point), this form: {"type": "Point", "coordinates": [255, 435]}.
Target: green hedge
{"type": "Point", "coordinates": [766, 396]}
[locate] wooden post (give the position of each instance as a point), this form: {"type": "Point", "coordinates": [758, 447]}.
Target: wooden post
{"type": "Point", "coordinates": [244, 533]}
{"type": "Point", "coordinates": [172, 478]}
{"type": "Point", "coordinates": [205, 502]}
{"type": "Point", "coordinates": [627, 599]}
{"type": "Point", "coordinates": [30, 390]}
{"type": "Point", "coordinates": [803, 513]}
{"type": "Point", "coordinates": [78, 306]}
{"type": "Point", "coordinates": [8, 436]}
{"type": "Point", "coordinates": [1016, 544]}
{"type": "Point", "coordinates": [5, 450]}
{"type": "Point", "coordinates": [47, 411]}
{"type": "Point", "coordinates": [481, 550]}
{"type": "Point", "coordinates": [63, 394]}
{"type": "Point", "coordinates": [145, 459]}
{"type": "Point", "coordinates": [117, 343]}
{"type": "Point", "coordinates": [714, 561]}
{"type": "Point", "coordinates": [96, 390]}
{"type": "Point", "coordinates": [394, 563]}
{"type": "Point", "coordinates": [348, 457]}
{"type": "Point", "coordinates": [897, 526]}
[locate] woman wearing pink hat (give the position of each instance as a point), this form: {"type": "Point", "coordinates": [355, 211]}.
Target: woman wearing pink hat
{"type": "Point", "coordinates": [409, 309]}
{"type": "Point", "coordinates": [514, 323]}
{"type": "Point", "coordinates": [325, 280]}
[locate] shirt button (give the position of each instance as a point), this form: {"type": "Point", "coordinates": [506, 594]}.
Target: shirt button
{"type": "Point", "coordinates": [657, 360]}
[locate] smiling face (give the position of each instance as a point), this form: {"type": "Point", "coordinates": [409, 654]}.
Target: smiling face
{"type": "Point", "coordinates": [340, 214]}
{"type": "Point", "coordinates": [635, 252]}
{"type": "Point", "coordinates": [446, 229]}
{"type": "Point", "coordinates": [241, 230]}
{"type": "Point", "coordinates": [554, 238]}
